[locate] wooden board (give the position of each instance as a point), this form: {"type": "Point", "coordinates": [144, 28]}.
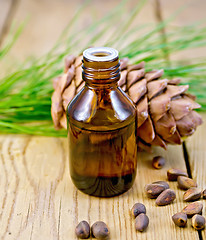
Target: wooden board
{"type": "Point", "coordinates": [37, 197]}
{"type": "Point", "coordinates": [39, 201]}
{"type": "Point", "coordinates": [196, 147]}
{"type": "Point", "coordinates": [5, 5]}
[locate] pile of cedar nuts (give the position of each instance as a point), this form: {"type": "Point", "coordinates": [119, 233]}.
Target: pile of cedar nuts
{"type": "Point", "coordinates": [164, 196]}
{"type": "Point", "coordinates": [160, 191]}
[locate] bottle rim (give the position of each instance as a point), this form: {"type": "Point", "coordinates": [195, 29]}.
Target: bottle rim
{"type": "Point", "coordinates": [100, 54]}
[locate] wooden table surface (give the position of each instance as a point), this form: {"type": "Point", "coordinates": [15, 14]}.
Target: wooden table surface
{"type": "Point", "coordinates": [37, 198]}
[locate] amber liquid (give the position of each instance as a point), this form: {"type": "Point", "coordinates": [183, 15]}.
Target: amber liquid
{"type": "Point", "coordinates": [103, 163]}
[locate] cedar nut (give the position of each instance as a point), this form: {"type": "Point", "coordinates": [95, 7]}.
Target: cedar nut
{"type": "Point", "coordinates": [158, 162]}
{"type": "Point", "coordinates": [166, 197]}
{"type": "Point", "coordinates": [141, 222]}
{"type": "Point", "coordinates": [198, 222]}
{"type": "Point", "coordinates": [193, 208]}
{"type": "Point", "coordinates": [165, 184]}
{"type": "Point", "coordinates": [185, 182]}
{"type": "Point", "coordinates": [82, 230]}
{"type": "Point", "coordinates": [154, 190]}
{"type": "Point", "coordinates": [204, 194]}
{"type": "Point", "coordinates": [180, 219]}
{"type": "Point", "coordinates": [137, 209]}
{"type": "Point", "coordinates": [173, 173]}
{"type": "Point", "coordinates": [100, 230]}
{"type": "Point", "coordinates": [192, 194]}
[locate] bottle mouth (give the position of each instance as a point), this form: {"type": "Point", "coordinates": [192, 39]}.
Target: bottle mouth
{"type": "Point", "coordinates": [100, 54]}
{"type": "Point", "coordinates": [100, 65]}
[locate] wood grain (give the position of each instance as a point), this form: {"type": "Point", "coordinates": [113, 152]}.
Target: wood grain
{"type": "Point", "coordinates": [192, 11]}
{"type": "Point", "coordinates": [39, 201]}
{"type": "Point", "coordinates": [196, 147]}
{"type": "Point", "coordinates": [8, 20]}
{"type": "Point", "coordinates": [4, 10]}
{"type": "Point", "coordinates": [37, 197]}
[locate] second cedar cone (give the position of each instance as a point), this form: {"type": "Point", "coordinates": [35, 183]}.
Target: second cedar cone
{"type": "Point", "coordinates": [165, 111]}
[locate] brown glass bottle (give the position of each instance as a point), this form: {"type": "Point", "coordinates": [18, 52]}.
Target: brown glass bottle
{"type": "Point", "coordinates": [102, 128]}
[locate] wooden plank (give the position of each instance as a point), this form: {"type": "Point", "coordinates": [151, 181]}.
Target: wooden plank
{"type": "Point", "coordinates": [7, 21]}
{"type": "Point", "coordinates": [4, 9]}
{"type": "Point", "coordinates": [37, 197]}
{"type": "Point", "coordinates": [196, 147]}
{"type": "Point", "coordinates": [39, 201]}
{"type": "Point", "coordinates": [46, 19]}
{"type": "Point", "coordinates": [192, 12]}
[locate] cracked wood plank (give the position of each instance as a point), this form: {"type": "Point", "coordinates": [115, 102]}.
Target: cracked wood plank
{"type": "Point", "coordinates": [196, 147]}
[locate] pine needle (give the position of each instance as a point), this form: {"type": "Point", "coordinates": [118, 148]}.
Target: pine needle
{"type": "Point", "coordinates": [26, 93]}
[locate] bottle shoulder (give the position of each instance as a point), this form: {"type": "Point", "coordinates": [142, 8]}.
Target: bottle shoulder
{"type": "Point", "coordinates": [101, 109]}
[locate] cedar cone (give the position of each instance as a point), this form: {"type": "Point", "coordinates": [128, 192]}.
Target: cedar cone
{"type": "Point", "coordinates": [165, 111]}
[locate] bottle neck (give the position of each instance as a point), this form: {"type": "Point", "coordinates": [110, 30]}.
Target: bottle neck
{"type": "Point", "coordinates": [101, 67]}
